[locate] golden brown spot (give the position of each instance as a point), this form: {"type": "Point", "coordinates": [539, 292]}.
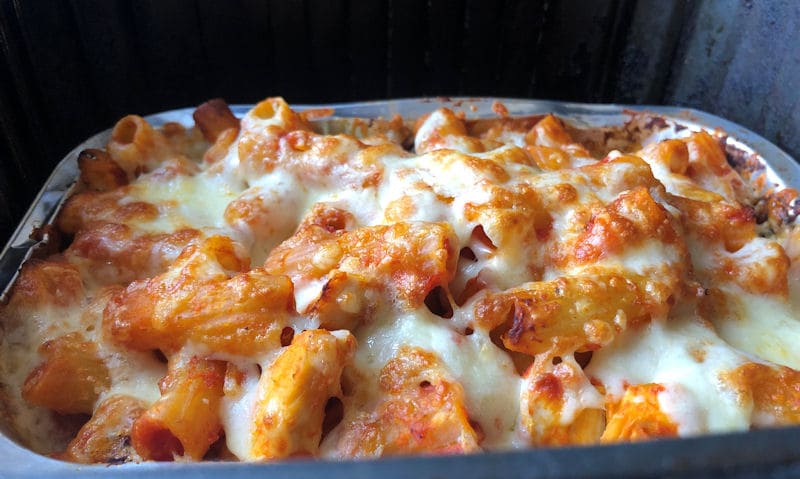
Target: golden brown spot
{"type": "Point", "coordinates": [774, 390]}
{"type": "Point", "coordinates": [549, 387]}
{"type": "Point", "coordinates": [698, 353]}
{"type": "Point", "coordinates": [638, 416]}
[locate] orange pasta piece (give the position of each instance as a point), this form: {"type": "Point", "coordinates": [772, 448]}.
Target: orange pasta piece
{"type": "Point", "coordinates": [91, 207]}
{"type": "Point", "coordinates": [407, 259]}
{"type": "Point", "coordinates": [293, 392]}
{"type": "Point", "coordinates": [512, 217]}
{"type": "Point", "coordinates": [213, 118]}
{"type": "Point", "coordinates": [195, 300]}
{"type": "Point", "coordinates": [115, 253]}
{"type": "Point", "coordinates": [553, 404]}
{"type": "Point", "coordinates": [99, 172]}
{"type": "Point", "coordinates": [619, 174]}
{"type": "Point", "coordinates": [261, 130]}
{"type": "Point", "coordinates": [773, 390]}
{"type": "Point", "coordinates": [414, 257]}
{"type": "Point", "coordinates": [549, 159]}
{"type": "Point", "coordinates": [709, 168]}
{"type": "Point", "coordinates": [500, 129]}
{"type": "Point", "coordinates": [637, 416]}
{"type": "Point", "coordinates": [421, 410]}
{"type": "Point", "coordinates": [220, 148]}
{"type": "Point", "coordinates": [673, 154]}
{"type": "Point", "coordinates": [764, 274]}
{"type": "Point", "coordinates": [581, 312]}
{"type": "Point", "coordinates": [41, 282]}
{"type": "Point", "coordinates": [550, 133]}
{"type": "Point", "coordinates": [732, 225]}
{"type": "Point", "coordinates": [106, 437]}
{"type": "Point", "coordinates": [136, 146]}
{"type": "Point", "coordinates": [71, 378]}
{"type": "Point", "coordinates": [442, 129]}
{"type": "Point", "coordinates": [624, 224]}
{"type": "Point", "coordinates": [378, 131]}
{"type": "Point", "coordinates": [185, 421]}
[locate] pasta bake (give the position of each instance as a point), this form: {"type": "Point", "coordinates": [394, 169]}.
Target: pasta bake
{"type": "Point", "coordinates": [274, 286]}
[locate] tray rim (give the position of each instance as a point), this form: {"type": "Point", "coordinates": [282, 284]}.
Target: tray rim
{"type": "Point", "coordinates": [707, 456]}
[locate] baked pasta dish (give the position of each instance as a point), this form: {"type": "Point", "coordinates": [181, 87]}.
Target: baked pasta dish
{"type": "Point", "coordinates": [277, 286]}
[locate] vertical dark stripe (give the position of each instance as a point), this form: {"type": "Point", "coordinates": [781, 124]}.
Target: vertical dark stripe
{"type": "Point", "coordinates": [520, 26]}
{"type": "Point", "coordinates": [236, 44]}
{"type": "Point", "coordinates": [10, 203]}
{"type": "Point", "coordinates": [58, 71]}
{"type": "Point", "coordinates": [446, 29]}
{"type": "Point", "coordinates": [330, 74]}
{"type": "Point", "coordinates": [611, 60]}
{"type": "Point", "coordinates": [292, 59]}
{"type": "Point", "coordinates": [573, 54]}
{"type": "Point", "coordinates": [173, 60]}
{"type": "Point", "coordinates": [538, 46]}
{"type": "Point", "coordinates": [409, 50]}
{"type": "Point", "coordinates": [367, 46]}
{"type": "Point", "coordinates": [17, 149]}
{"type": "Point", "coordinates": [680, 26]}
{"type": "Point", "coordinates": [20, 108]}
{"type": "Point", "coordinates": [113, 70]}
{"type": "Point", "coordinates": [481, 47]}
{"type": "Point", "coordinates": [649, 45]}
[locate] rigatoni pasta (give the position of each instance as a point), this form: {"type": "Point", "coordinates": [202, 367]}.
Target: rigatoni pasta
{"type": "Point", "coordinates": [273, 286]}
{"type": "Point", "coordinates": [185, 420]}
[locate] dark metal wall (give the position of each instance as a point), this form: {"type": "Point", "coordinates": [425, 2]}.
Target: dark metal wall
{"type": "Point", "coordinates": [741, 60]}
{"type": "Point", "coordinates": [69, 68]}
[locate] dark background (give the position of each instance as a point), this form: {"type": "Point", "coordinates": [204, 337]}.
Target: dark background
{"type": "Point", "coordinates": [70, 68]}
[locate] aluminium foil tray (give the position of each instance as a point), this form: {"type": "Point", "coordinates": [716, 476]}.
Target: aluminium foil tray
{"type": "Point", "coordinates": [760, 453]}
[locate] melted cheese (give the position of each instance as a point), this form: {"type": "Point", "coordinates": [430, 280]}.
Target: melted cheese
{"type": "Point", "coordinates": [486, 373]}
{"type": "Point", "coordinates": [687, 358]}
{"type": "Point", "coordinates": [764, 326]}
{"type": "Point", "coordinates": [237, 415]}
{"type": "Point", "coordinates": [197, 201]}
{"type": "Point", "coordinates": [33, 424]}
{"type": "Point", "coordinates": [467, 183]}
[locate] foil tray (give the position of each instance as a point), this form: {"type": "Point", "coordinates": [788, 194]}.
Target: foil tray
{"type": "Point", "coordinates": [761, 453]}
